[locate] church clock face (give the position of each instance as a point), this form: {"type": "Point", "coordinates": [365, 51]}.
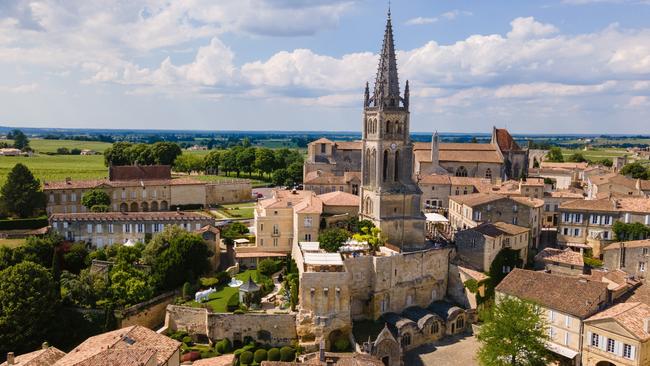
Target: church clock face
{"type": "Point", "coordinates": [393, 146]}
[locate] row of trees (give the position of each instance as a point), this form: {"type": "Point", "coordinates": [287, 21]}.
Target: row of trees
{"type": "Point", "coordinates": [21, 141]}
{"type": "Point", "coordinates": [126, 153]}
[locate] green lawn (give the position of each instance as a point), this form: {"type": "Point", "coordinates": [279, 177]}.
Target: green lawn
{"type": "Point", "coordinates": [218, 301]}
{"type": "Point", "coordinates": [57, 167]}
{"type": "Point", "coordinates": [596, 154]}
{"type": "Point", "coordinates": [11, 243]}
{"type": "Point", "coordinates": [42, 145]}
{"type": "Point", "coordinates": [237, 210]}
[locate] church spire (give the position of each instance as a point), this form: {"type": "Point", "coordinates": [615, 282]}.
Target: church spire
{"type": "Point", "coordinates": [386, 92]}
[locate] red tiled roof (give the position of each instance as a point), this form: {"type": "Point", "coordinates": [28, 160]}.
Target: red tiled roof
{"type": "Point", "coordinates": [631, 316]}
{"type": "Point", "coordinates": [505, 140]}
{"type": "Point", "coordinates": [339, 199]}
{"type": "Point", "coordinates": [42, 357]}
{"type": "Point", "coordinates": [567, 256]}
{"type": "Point", "coordinates": [139, 172]}
{"type": "Point", "coordinates": [130, 216]}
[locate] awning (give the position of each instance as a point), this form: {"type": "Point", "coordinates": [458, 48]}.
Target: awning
{"type": "Point", "coordinates": [435, 217]}
{"type": "Point", "coordinates": [561, 350]}
{"type": "Point", "coordinates": [577, 245]}
{"type": "Point", "coordinates": [259, 255]}
{"type": "Point", "coordinates": [241, 241]}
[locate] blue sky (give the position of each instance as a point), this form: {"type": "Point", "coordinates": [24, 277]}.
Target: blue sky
{"type": "Point", "coordinates": [548, 66]}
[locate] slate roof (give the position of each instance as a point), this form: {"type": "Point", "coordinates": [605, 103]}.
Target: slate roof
{"type": "Point", "coordinates": [575, 296]}
{"type": "Point", "coordinates": [444, 309]}
{"type": "Point", "coordinates": [630, 316]}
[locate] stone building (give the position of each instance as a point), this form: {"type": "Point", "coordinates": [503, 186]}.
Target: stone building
{"type": "Point", "coordinates": [291, 216]}
{"type": "Point", "coordinates": [478, 246]}
{"type": "Point", "coordinates": [471, 210]}
{"type": "Point", "coordinates": [144, 188]}
{"type": "Point", "coordinates": [632, 257]}
{"type": "Point", "coordinates": [566, 303]}
{"type": "Point", "coordinates": [130, 346]}
{"type": "Point", "coordinates": [437, 188]}
{"type": "Point", "coordinates": [558, 261]}
{"type": "Point", "coordinates": [107, 228]}
{"type": "Point", "coordinates": [612, 184]}
{"type": "Point", "coordinates": [45, 356]}
{"type": "Point", "coordinates": [619, 335]}
{"type": "Point", "coordinates": [552, 202]}
{"type": "Point", "coordinates": [587, 224]}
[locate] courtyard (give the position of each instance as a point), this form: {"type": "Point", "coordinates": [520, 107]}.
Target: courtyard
{"type": "Point", "coordinates": [450, 351]}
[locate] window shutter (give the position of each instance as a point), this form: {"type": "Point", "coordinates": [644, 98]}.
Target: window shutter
{"type": "Point", "coordinates": [618, 348]}
{"type": "Point", "coordinates": [602, 342]}
{"type": "Point", "coordinates": [632, 351]}
{"type": "Point", "coordinates": [588, 341]}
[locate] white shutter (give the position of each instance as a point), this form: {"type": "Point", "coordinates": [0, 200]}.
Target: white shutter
{"type": "Point", "coordinates": [618, 348]}
{"type": "Point", "coordinates": [123, 228]}
{"type": "Point", "coordinates": [602, 342]}
{"type": "Point", "coordinates": [632, 351]}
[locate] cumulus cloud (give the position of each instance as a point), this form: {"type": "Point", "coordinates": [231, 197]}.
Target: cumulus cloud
{"type": "Point", "coordinates": [19, 89]}
{"type": "Point", "coordinates": [449, 15]}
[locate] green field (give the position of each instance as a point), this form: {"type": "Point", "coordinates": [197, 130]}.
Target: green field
{"type": "Point", "coordinates": [237, 210]}
{"type": "Point", "coordinates": [596, 154]}
{"type": "Point", "coordinates": [57, 167]}
{"type": "Point", "coordinates": [50, 146]}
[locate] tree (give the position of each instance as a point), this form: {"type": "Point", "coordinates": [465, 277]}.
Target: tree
{"type": "Point", "coordinates": [188, 163]}
{"type": "Point", "coordinates": [264, 160]}
{"type": "Point", "coordinates": [233, 231]}
{"type": "Point", "coordinates": [118, 154]}
{"type": "Point", "coordinates": [577, 158]}
{"type": "Point", "coordinates": [141, 154]}
{"type": "Point", "coordinates": [332, 239]}
{"type": "Point", "coordinates": [95, 197]}
{"type": "Point", "coordinates": [267, 267]}
{"type": "Point", "coordinates": [28, 305]}
{"type": "Point", "coordinates": [555, 155]}
{"type": "Point", "coordinates": [74, 259]}
{"type": "Point", "coordinates": [514, 333]}
{"type": "Point", "coordinates": [294, 172]}
{"type": "Point", "coordinates": [246, 160]}
{"type": "Point", "coordinates": [280, 177]}
{"type": "Point", "coordinates": [371, 235]}
{"type": "Point", "coordinates": [165, 152]}
{"type": "Point", "coordinates": [635, 170]}
{"type": "Point", "coordinates": [211, 162]}
{"type": "Point", "coordinates": [63, 151]}
{"type": "Point", "coordinates": [129, 287]}
{"type": "Point", "coordinates": [229, 161]}
{"type": "Point", "coordinates": [21, 195]}
{"type": "Point", "coordinates": [630, 231]}
{"type": "Point", "coordinates": [21, 141]}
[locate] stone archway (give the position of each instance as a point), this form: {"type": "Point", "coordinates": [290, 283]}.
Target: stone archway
{"type": "Point", "coordinates": [144, 206]}
{"type": "Point", "coordinates": [605, 363]}
{"type": "Point", "coordinates": [334, 336]}
{"type": "Point", "coordinates": [124, 207]}
{"type": "Point", "coordinates": [154, 206]}
{"type": "Point", "coordinates": [164, 206]}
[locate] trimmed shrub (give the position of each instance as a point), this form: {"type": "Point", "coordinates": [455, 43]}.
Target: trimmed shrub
{"type": "Point", "coordinates": [342, 344]}
{"type": "Point", "coordinates": [273, 354]}
{"type": "Point", "coordinates": [223, 346]}
{"type": "Point", "coordinates": [287, 354]}
{"type": "Point", "coordinates": [208, 354]}
{"type": "Point", "coordinates": [246, 358]}
{"type": "Point", "coordinates": [260, 355]}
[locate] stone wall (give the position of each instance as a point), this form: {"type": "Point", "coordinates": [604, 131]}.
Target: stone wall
{"type": "Point", "coordinates": [188, 194]}
{"type": "Point", "coordinates": [228, 191]}
{"type": "Point", "coordinates": [150, 314]}
{"type": "Point", "coordinates": [274, 329]}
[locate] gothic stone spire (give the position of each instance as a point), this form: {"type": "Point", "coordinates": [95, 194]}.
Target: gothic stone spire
{"type": "Point", "coordinates": [387, 84]}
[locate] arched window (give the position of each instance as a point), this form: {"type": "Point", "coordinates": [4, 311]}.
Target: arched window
{"type": "Point", "coordinates": [396, 178]}
{"type": "Point", "coordinates": [385, 167]}
{"type": "Point", "coordinates": [461, 171]}
{"type": "Point", "coordinates": [398, 129]}
{"type": "Point", "coordinates": [460, 323]}
{"type": "Point", "coordinates": [488, 173]}
{"type": "Point", "coordinates": [387, 127]}
{"type": "Point", "coordinates": [406, 340]}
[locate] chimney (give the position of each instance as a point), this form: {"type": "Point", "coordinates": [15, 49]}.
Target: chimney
{"type": "Point", "coordinates": [10, 359]}
{"type": "Point", "coordinates": [45, 345]}
{"type": "Point", "coordinates": [68, 180]}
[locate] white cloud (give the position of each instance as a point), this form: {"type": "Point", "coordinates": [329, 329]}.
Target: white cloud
{"type": "Point", "coordinates": [449, 15]}
{"type": "Point", "coordinates": [19, 89]}
{"type": "Point", "coordinates": [421, 21]}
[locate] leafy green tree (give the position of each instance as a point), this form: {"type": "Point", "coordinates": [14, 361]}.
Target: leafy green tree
{"type": "Point", "coordinates": [229, 161]}
{"type": "Point", "coordinates": [74, 259]}
{"type": "Point", "coordinates": [28, 305]}
{"type": "Point", "coordinates": [159, 242]}
{"type": "Point", "coordinates": [165, 152]}
{"type": "Point", "coordinates": [188, 163]}
{"type": "Point", "coordinates": [280, 177]}
{"type": "Point", "coordinates": [233, 231]}
{"type": "Point", "coordinates": [332, 239]}
{"type": "Point", "coordinates": [267, 267]}
{"type": "Point", "coordinates": [184, 258]}
{"type": "Point", "coordinates": [129, 287]}
{"type": "Point", "coordinates": [635, 170]}
{"type": "Point", "coordinates": [85, 289]}
{"type": "Point", "coordinates": [211, 162]}
{"type": "Point", "coordinates": [514, 334]}
{"type": "Point", "coordinates": [21, 195]}
{"type": "Point", "coordinates": [372, 235]}
{"type": "Point", "coordinates": [246, 160]}
{"type": "Point", "coordinates": [38, 250]}
{"type": "Point", "coordinates": [295, 173]}
{"type": "Point", "coordinates": [577, 158]}
{"type": "Point", "coordinates": [118, 154]}
{"type": "Point", "coordinates": [21, 141]}
{"type": "Point", "coordinates": [95, 197]}
{"type": "Point", "coordinates": [630, 231]}
{"type": "Point", "coordinates": [63, 151]}
{"type": "Point", "coordinates": [264, 160]}
{"type": "Point", "coordinates": [141, 154]}
{"type": "Point", "coordinates": [555, 155]}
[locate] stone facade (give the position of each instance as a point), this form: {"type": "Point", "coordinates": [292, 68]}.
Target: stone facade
{"type": "Point", "coordinates": [479, 246]}
{"type": "Point", "coordinates": [150, 314]}
{"type": "Point", "coordinates": [632, 257]}
{"type": "Point", "coordinates": [271, 329]}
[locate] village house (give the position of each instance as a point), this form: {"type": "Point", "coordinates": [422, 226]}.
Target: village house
{"type": "Point", "coordinates": [46, 356]}
{"type": "Point", "coordinates": [562, 178]}
{"type": "Point", "coordinates": [619, 335]}
{"type": "Point", "coordinates": [291, 216]}
{"type": "Point", "coordinates": [632, 257]}
{"type": "Point", "coordinates": [558, 261]}
{"type": "Point", "coordinates": [478, 246]}
{"type": "Point", "coordinates": [144, 188]}
{"type": "Point", "coordinates": [587, 224]}
{"type": "Point", "coordinates": [616, 185]}
{"type": "Point", "coordinates": [474, 209]}
{"type": "Point", "coordinates": [552, 202]}
{"type": "Point", "coordinates": [130, 346]}
{"type": "Point", "coordinates": [107, 228]}
{"type": "Point", "coordinates": [437, 188]}
{"type": "Point", "coordinates": [566, 303]}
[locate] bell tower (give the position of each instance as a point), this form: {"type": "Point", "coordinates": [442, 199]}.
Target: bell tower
{"type": "Point", "coordinates": [389, 196]}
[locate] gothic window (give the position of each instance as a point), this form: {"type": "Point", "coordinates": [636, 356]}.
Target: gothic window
{"type": "Point", "coordinates": [385, 166]}
{"type": "Point", "coordinates": [406, 340]}
{"type": "Point", "coordinates": [396, 166]}
{"type": "Point", "coordinates": [399, 128]}
{"type": "Point", "coordinates": [461, 171]}
{"type": "Point", "coordinates": [488, 173]}
{"type": "Point", "coordinates": [387, 127]}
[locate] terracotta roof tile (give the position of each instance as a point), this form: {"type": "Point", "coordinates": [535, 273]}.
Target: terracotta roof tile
{"type": "Point", "coordinates": [575, 296]}
{"type": "Point", "coordinates": [630, 316]}
{"type": "Point", "coordinates": [476, 199]}
{"type": "Point", "coordinates": [339, 199]}
{"type": "Point", "coordinates": [505, 140]}
{"type": "Point", "coordinates": [572, 166]}
{"type": "Point", "coordinates": [567, 256]}
{"type": "Point", "coordinates": [629, 244]}
{"type": "Point", "coordinates": [618, 204]}
{"type": "Point", "coordinates": [130, 216]}
{"type": "Point", "coordinates": [139, 172]}
{"type": "Point", "coordinates": [43, 357]}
